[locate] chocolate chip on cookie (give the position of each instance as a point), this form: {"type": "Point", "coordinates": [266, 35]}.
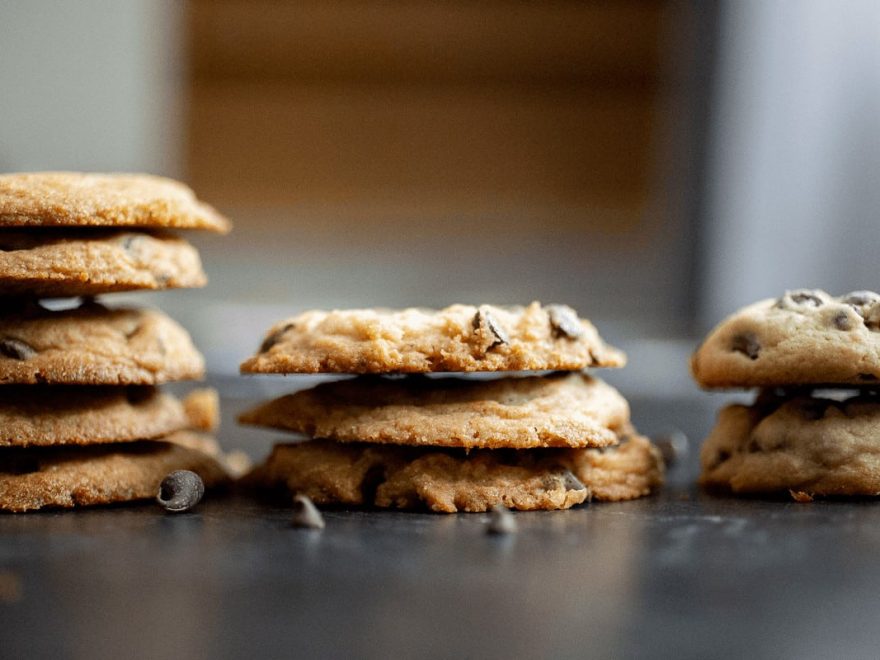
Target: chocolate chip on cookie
{"type": "Point", "coordinates": [747, 344]}
{"type": "Point", "coordinates": [16, 349]}
{"type": "Point", "coordinates": [800, 298]}
{"type": "Point", "coordinates": [488, 331]}
{"type": "Point", "coordinates": [564, 321]}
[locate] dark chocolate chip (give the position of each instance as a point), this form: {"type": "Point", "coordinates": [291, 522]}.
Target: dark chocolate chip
{"type": "Point", "coordinates": [859, 298]}
{"type": "Point", "coordinates": [16, 349]}
{"type": "Point", "coordinates": [673, 445]}
{"type": "Point", "coordinates": [501, 521]}
{"type": "Point", "coordinates": [305, 514]}
{"type": "Point", "coordinates": [274, 338]}
{"type": "Point", "coordinates": [571, 482]}
{"type": "Point", "coordinates": [488, 328]}
{"type": "Point", "coordinates": [564, 321]}
{"type": "Point", "coordinates": [842, 321]}
{"type": "Point", "coordinates": [747, 344]}
{"type": "Point", "coordinates": [180, 491]}
{"type": "Point", "coordinates": [801, 298]}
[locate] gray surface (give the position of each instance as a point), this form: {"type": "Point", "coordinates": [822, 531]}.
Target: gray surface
{"type": "Point", "coordinates": [678, 575]}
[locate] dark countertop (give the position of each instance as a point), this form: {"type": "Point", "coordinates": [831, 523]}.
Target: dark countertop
{"type": "Point", "coordinates": [681, 574]}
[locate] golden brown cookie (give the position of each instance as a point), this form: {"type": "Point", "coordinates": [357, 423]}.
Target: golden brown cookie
{"type": "Point", "coordinates": [560, 410]}
{"type": "Point", "coordinates": [457, 338]}
{"type": "Point", "coordinates": [805, 337]}
{"type": "Point", "coordinates": [65, 199]}
{"type": "Point", "coordinates": [94, 345]}
{"type": "Point", "coordinates": [43, 415]}
{"type": "Point", "coordinates": [65, 477]}
{"type": "Point", "coordinates": [446, 480]}
{"type": "Point", "coordinates": [804, 444]}
{"type": "Point", "coordinates": [50, 263]}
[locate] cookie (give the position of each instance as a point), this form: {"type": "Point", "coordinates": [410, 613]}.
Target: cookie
{"type": "Point", "coordinates": [560, 410]}
{"type": "Point", "coordinates": [94, 345]}
{"type": "Point", "coordinates": [66, 199]}
{"type": "Point", "coordinates": [50, 263]}
{"type": "Point", "coordinates": [65, 477]}
{"type": "Point", "coordinates": [803, 444]}
{"type": "Point", "coordinates": [457, 338]}
{"type": "Point", "coordinates": [445, 480]}
{"type": "Point", "coordinates": [39, 415]}
{"type": "Point", "coordinates": [805, 337]}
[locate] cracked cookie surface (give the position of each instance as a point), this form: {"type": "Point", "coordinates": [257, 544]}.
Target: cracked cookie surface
{"type": "Point", "coordinates": [559, 410]}
{"type": "Point", "coordinates": [94, 345]}
{"type": "Point", "coordinates": [50, 263]}
{"type": "Point", "coordinates": [803, 444]}
{"type": "Point", "coordinates": [805, 337]}
{"type": "Point", "coordinates": [62, 199]}
{"type": "Point", "coordinates": [459, 338]}
{"type": "Point", "coordinates": [454, 480]}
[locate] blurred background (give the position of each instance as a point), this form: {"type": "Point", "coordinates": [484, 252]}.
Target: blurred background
{"type": "Point", "coordinates": [655, 164]}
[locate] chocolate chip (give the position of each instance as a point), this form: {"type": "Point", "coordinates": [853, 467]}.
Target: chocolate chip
{"type": "Point", "coordinates": [305, 514]}
{"type": "Point", "coordinates": [130, 241]}
{"type": "Point", "coordinates": [501, 521]}
{"type": "Point", "coordinates": [489, 330]}
{"type": "Point", "coordinates": [564, 321]}
{"type": "Point", "coordinates": [180, 491]}
{"type": "Point", "coordinates": [802, 298]}
{"type": "Point", "coordinates": [859, 298]}
{"type": "Point", "coordinates": [571, 482]}
{"type": "Point", "coordinates": [673, 445]}
{"type": "Point", "coordinates": [16, 349]}
{"type": "Point", "coordinates": [274, 338]}
{"type": "Point", "coordinates": [747, 344]}
{"type": "Point", "coordinates": [842, 321]}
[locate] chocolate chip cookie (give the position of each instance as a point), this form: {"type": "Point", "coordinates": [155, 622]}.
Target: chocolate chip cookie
{"type": "Point", "coordinates": [66, 477]}
{"type": "Point", "coordinates": [454, 339]}
{"type": "Point", "coordinates": [560, 410]}
{"type": "Point", "coordinates": [93, 345]}
{"type": "Point", "coordinates": [450, 480]}
{"type": "Point", "coordinates": [805, 444]}
{"type": "Point", "coordinates": [804, 337]}
{"type": "Point", "coordinates": [64, 199]}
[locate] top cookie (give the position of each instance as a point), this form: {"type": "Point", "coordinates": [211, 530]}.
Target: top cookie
{"type": "Point", "coordinates": [807, 337]}
{"type": "Point", "coordinates": [455, 339]}
{"type": "Point", "coordinates": [64, 199]}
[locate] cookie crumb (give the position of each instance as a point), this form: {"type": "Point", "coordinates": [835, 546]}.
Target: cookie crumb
{"type": "Point", "coordinates": [501, 521]}
{"type": "Point", "coordinates": [800, 496]}
{"type": "Point", "coordinates": [306, 514]}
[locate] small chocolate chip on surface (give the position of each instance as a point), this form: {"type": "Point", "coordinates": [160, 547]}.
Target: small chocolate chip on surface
{"type": "Point", "coordinates": [180, 491]}
{"type": "Point", "coordinates": [842, 321]}
{"type": "Point", "coordinates": [16, 349]}
{"type": "Point", "coordinates": [673, 445]}
{"type": "Point", "coordinates": [501, 521]}
{"type": "Point", "coordinates": [274, 338]}
{"type": "Point", "coordinates": [747, 344]}
{"type": "Point", "coordinates": [564, 321]}
{"type": "Point", "coordinates": [488, 330]}
{"type": "Point", "coordinates": [306, 514]}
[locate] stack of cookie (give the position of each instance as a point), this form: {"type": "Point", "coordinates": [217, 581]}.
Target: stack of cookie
{"type": "Point", "coordinates": [81, 419]}
{"type": "Point", "coordinates": [813, 428]}
{"type": "Point", "coordinates": [450, 443]}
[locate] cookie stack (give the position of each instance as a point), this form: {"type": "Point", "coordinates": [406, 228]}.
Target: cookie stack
{"type": "Point", "coordinates": [81, 419]}
{"type": "Point", "coordinates": [450, 443]}
{"type": "Point", "coordinates": [814, 427]}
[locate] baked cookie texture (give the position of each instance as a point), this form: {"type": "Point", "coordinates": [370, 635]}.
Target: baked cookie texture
{"type": "Point", "coordinates": [806, 337]}
{"type": "Point", "coordinates": [51, 263]}
{"type": "Point", "coordinates": [41, 415]}
{"type": "Point", "coordinates": [808, 445]}
{"type": "Point", "coordinates": [94, 345]}
{"type": "Point", "coordinates": [60, 199]}
{"type": "Point", "coordinates": [66, 477]}
{"type": "Point", "coordinates": [559, 410]}
{"type": "Point", "coordinates": [457, 338]}
{"type": "Point", "coordinates": [445, 480]}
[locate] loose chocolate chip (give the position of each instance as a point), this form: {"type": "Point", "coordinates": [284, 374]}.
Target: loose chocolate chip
{"type": "Point", "coordinates": [16, 349]}
{"type": "Point", "coordinates": [859, 298]}
{"type": "Point", "coordinates": [747, 344]}
{"type": "Point", "coordinates": [489, 330]}
{"type": "Point", "coordinates": [673, 445]}
{"type": "Point", "coordinates": [564, 321]}
{"type": "Point", "coordinates": [274, 338]}
{"type": "Point", "coordinates": [180, 491]}
{"type": "Point", "coordinates": [802, 298]}
{"type": "Point", "coordinates": [305, 514]}
{"type": "Point", "coordinates": [842, 321]}
{"type": "Point", "coordinates": [571, 482]}
{"type": "Point", "coordinates": [501, 521]}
